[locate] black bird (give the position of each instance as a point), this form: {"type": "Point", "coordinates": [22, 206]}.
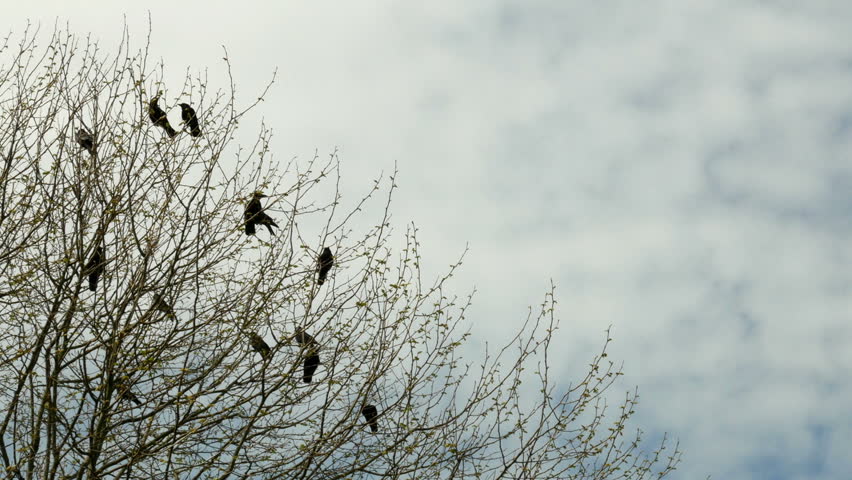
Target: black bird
{"type": "Point", "coordinates": [130, 396]}
{"type": "Point", "coordinates": [304, 338]}
{"type": "Point", "coordinates": [324, 264]}
{"type": "Point", "coordinates": [371, 415]}
{"type": "Point", "coordinates": [124, 393]}
{"type": "Point", "coordinates": [158, 116]}
{"type": "Point", "coordinates": [161, 305]}
{"type": "Point", "coordinates": [254, 215]}
{"type": "Point", "coordinates": [189, 118]}
{"type": "Point", "coordinates": [87, 141]}
{"type": "Point", "coordinates": [95, 267]}
{"type": "Point", "coordinates": [259, 345]}
{"type": "Point", "coordinates": [312, 361]}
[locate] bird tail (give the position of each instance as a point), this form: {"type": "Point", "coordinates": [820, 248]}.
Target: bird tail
{"type": "Point", "coordinates": [195, 132]}
{"type": "Point", "coordinates": [93, 282]}
{"type": "Point", "coordinates": [371, 415]}
{"type": "Point", "coordinates": [269, 227]}
{"type": "Point", "coordinates": [250, 228]}
{"type": "Point", "coordinates": [311, 364]}
{"type": "Point", "coordinates": [171, 131]}
{"type": "Point", "coordinates": [321, 278]}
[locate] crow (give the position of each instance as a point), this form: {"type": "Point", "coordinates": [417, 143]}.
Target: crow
{"type": "Point", "coordinates": [158, 116]}
{"type": "Point", "coordinates": [371, 415]}
{"type": "Point", "coordinates": [324, 264]}
{"type": "Point", "coordinates": [304, 338]}
{"type": "Point", "coordinates": [95, 267]}
{"type": "Point", "coordinates": [130, 396]}
{"type": "Point", "coordinates": [259, 345]}
{"type": "Point", "coordinates": [190, 119]}
{"type": "Point", "coordinates": [254, 215]}
{"type": "Point", "coordinates": [87, 141]}
{"type": "Point", "coordinates": [312, 361]}
{"type": "Point", "coordinates": [124, 393]}
{"type": "Point", "coordinates": [161, 305]}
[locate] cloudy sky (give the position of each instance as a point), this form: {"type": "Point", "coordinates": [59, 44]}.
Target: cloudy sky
{"type": "Point", "coordinates": [680, 169]}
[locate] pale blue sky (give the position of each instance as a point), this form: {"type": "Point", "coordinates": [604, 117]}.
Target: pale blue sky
{"type": "Point", "coordinates": [686, 164]}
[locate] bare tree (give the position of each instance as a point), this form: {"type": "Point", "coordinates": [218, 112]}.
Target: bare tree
{"type": "Point", "coordinates": [155, 374]}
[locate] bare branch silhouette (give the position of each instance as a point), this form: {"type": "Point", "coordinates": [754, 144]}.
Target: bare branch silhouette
{"type": "Point", "coordinates": [161, 367]}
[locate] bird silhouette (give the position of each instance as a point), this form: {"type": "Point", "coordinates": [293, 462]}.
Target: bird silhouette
{"type": "Point", "coordinates": [87, 141]}
{"type": "Point", "coordinates": [312, 359]}
{"type": "Point", "coordinates": [161, 305]}
{"type": "Point", "coordinates": [159, 117]}
{"type": "Point", "coordinates": [190, 119]}
{"type": "Point", "coordinates": [304, 338]}
{"type": "Point", "coordinates": [128, 395]}
{"type": "Point", "coordinates": [124, 392]}
{"type": "Point", "coordinates": [254, 215]}
{"type": "Point", "coordinates": [95, 267]}
{"type": "Point", "coordinates": [371, 415]}
{"type": "Point", "coordinates": [259, 345]}
{"type": "Point", "coordinates": [324, 264]}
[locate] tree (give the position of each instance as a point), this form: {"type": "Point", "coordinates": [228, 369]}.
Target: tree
{"type": "Point", "coordinates": [155, 374]}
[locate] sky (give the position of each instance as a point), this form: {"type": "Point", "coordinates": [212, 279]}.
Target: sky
{"type": "Point", "coordinates": [680, 170]}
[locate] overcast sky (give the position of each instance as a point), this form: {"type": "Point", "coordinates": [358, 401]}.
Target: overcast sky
{"type": "Point", "coordinates": [680, 169]}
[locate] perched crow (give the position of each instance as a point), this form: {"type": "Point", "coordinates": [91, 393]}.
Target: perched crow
{"type": "Point", "coordinates": [130, 396]}
{"type": "Point", "coordinates": [304, 338]}
{"type": "Point", "coordinates": [254, 215]}
{"type": "Point", "coordinates": [259, 345]}
{"type": "Point", "coordinates": [162, 305]}
{"type": "Point", "coordinates": [189, 118]}
{"type": "Point", "coordinates": [87, 141]}
{"type": "Point", "coordinates": [324, 264]}
{"type": "Point", "coordinates": [312, 361]}
{"type": "Point", "coordinates": [124, 393]}
{"type": "Point", "coordinates": [158, 116]}
{"type": "Point", "coordinates": [371, 415]}
{"type": "Point", "coordinates": [95, 267]}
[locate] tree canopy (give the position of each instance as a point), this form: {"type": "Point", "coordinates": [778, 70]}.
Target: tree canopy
{"type": "Point", "coordinates": [145, 335]}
